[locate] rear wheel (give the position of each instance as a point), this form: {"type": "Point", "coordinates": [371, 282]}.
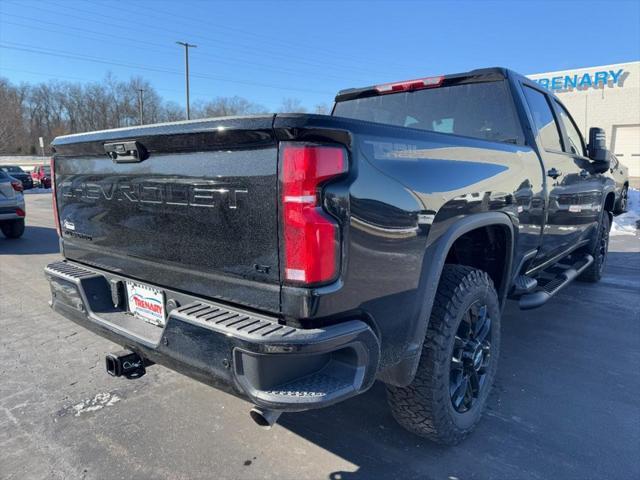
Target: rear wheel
{"type": "Point", "coordinates": [12, 228]}
{"type": "Point", "coordinates": [600, 249]}
{"type": "Point", "coordinates": [459, 360]}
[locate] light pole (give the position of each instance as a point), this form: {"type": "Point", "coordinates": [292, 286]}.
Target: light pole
{"type": "Point", "coordinates": [186, 65]}
{"type": "Point", "coordinates": [141, 104]}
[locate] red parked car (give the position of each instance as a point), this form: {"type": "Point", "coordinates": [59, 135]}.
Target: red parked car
{"type": "Point", "coordinates": [42, 176]}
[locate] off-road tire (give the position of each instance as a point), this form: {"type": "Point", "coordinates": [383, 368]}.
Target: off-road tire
{"type": "Point", "coordinates": [593, 273]}
{"type": "Point", "coordinates": [425, 407]}
{"type": "Point", "coordinates": [12, 228]}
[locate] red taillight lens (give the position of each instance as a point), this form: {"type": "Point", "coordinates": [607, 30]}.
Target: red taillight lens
{"type": "Point", "coordinates": [409, 85]}
{"type": "Point", "coordinates": [53, 196]}
{"type": "Point", "coordinates": [311, 236]}
{"type": "Point", "coordinates": [17, 185]}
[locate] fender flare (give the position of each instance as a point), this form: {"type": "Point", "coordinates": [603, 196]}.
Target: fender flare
{"type": "Point", "coordinates": [402, 373]}
{"type": "Point", "coordinates": [609, 189]}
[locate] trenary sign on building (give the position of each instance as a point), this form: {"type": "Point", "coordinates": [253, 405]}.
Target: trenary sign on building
{"type": "Point", "coordinates": [604, 96]}
{"type": "Point", "coordinates": [584, 80]}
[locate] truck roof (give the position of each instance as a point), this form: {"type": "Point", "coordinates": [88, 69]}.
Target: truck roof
{"type": "Point", "coordinates": [477, 75]}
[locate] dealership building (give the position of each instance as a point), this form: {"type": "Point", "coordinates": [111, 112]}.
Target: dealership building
{"type": "Point", "coordinates": [608, 97]}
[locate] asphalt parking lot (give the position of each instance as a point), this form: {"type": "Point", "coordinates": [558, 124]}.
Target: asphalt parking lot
{"type": "Point", "coordinates": [565, 405]}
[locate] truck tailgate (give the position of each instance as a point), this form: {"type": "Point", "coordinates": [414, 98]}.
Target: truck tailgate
{"type": "Point", "coordinates": [199, 214]}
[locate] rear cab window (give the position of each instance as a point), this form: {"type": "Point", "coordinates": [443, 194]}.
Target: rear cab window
{"type": "Point", "coordinates": [481, 110]}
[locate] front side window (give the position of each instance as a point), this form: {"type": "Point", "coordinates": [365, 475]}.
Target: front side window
{"type": "Point", "coordinates": [480, 110]}
{"type": "Point", "coordinates": [576, 144]}
{"type": "Point", "coordinates": [543, 119]}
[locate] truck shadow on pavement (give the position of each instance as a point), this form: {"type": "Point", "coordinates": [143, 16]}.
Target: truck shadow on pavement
{"type": "Point", "coordinates": [363, 432]}
{"type": "Point", "coordinates": [540, 423]}
{"type": "Point", "coordinates": [34, 241]}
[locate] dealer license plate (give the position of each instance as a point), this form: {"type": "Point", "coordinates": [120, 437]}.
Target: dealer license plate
{"type": "Point", "coordinates": [146, 303]}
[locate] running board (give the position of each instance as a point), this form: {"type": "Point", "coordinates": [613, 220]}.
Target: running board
{"type": "Point", "coordinates": [549, 289]}
{"type": "Point", "coordinates": [522, 285]}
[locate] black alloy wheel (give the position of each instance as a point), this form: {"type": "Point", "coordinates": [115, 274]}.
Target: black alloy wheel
{"type": "Point", "coordinates": [470, 358]}
{"type": "Point", "coordinates": [624, 200]}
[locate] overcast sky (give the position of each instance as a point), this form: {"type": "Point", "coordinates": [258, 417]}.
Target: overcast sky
{"type": "Point", "coordinates": [265, 51]}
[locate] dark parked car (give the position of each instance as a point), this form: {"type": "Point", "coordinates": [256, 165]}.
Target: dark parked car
{"type": "Point", "coordinates": [293, 259]}
{"type": "Point", "coordinates": [18, 173]}
{"type": "Point", "coordinates": [620, 175]}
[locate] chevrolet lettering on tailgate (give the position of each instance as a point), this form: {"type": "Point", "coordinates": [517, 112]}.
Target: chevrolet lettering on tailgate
{"type": "Point", "coordinates": [201, 194]}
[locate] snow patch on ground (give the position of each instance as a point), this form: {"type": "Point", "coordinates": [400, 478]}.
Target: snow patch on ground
{"type": "Point", "coordinates": [627, 223]}
{"type": "Point", "coordinates": [98, 402]}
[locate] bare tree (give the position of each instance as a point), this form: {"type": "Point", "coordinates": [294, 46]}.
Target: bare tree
{"type": "Point", "coordinates": [11, 124]}
{"type": "Point", "coordinates": [291, 105]}
{"type": "Point", "coordinates": [171, 112]}
{"type": "Point", "coordinates": [322, 109]}
{"type": "Point", "coordinates": [57, 108]}
{"type": "Point", "coordinates": [226, 106]}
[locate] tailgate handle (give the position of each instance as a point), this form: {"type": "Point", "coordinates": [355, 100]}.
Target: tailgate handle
{"type": "Point", "coordinates": [126, 152]}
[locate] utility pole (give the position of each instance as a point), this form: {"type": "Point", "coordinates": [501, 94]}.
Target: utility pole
{"type": "Point", "coordinates": [186, 65]}
{"type": "Point", "coordinates": [141, 104]}
{"type": "Point", "coordinates": [41, 140]}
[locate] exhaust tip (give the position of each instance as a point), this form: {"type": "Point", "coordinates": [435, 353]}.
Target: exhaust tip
{"type": "Point", "coordinates": [264, 418]}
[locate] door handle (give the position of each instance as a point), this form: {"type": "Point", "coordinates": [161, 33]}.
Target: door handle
{"type": "Point", "coordinates": [554, 173]}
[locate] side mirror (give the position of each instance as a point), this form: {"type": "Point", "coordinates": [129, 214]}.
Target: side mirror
{"type": "Point", "coordinates": [598, 151]}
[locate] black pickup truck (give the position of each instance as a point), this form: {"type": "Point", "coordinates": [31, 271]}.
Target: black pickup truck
{"type": "Point", "coordinates": [294, 259]}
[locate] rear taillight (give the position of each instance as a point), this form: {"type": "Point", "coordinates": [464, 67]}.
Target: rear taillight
{"type": "Point", "coordinates": [17, 185]}
{"type": "Point", "coordinates": [409, 85]}
{"type": "Point", "coordinates": [311, 237]}
{"type": "Point", "coordinates": [53, 196]}
{"type": "Point", "coordinates": [20, 212]}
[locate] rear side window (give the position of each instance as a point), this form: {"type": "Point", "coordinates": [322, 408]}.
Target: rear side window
{"type": "Point", "coordinates": [543, 119]}
{"type": "Point", "coordinates": [479, 110]}
{"type": "Point", "coordinates": [3, 175]}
